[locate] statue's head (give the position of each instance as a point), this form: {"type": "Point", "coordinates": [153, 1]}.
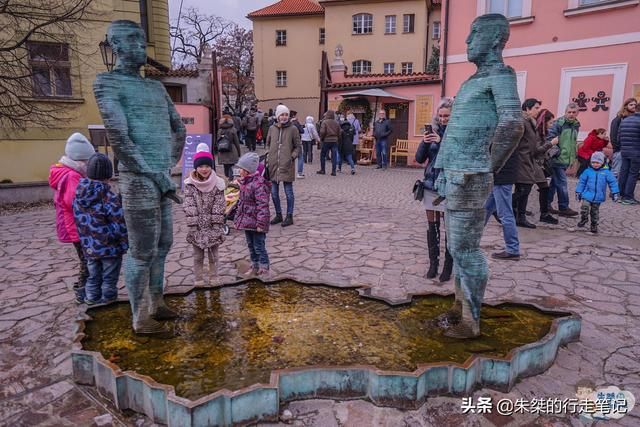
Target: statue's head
{"type": "Point", "coordinates": [489, 35]}
{"type": "Point", "coordinates": [128, 42]}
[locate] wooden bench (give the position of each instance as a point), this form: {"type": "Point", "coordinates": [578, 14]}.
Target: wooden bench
{"type": "Point", "coordinates": [403, 148]}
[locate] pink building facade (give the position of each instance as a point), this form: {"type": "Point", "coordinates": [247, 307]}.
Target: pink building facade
{"type": "Point", "coordinates": [587, 51]}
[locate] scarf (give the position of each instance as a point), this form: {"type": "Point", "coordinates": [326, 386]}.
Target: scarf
{"type": "Point", "coordinates": [207, 186]}
{"type": "Point", "coordinates": [76, 165]}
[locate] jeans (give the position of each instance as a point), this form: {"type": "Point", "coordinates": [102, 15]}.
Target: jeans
{"type": "Point", "coordinates": [250, 140]}
{"type": "Point", "coordinates": [326, 147]}
{"type": "Point", "coordinates": [559, 184]}
{"type": "Point", "coordinates": [500, 200]}
{"type": "Point", "coordinates": [381, 152]}
{"type": "Point", "coordinates": [275, 196]}
{"type": "Point", "coordinates": [628, 177]}
{"type": "Point", "coordinates": [102, 284]}
{"type": "Point", "coordinates": [257, 248]}
{"type": "Point", "coordinates": [300, 163]}
{"type": "Point", "coordinates": [616, 162]}
{"type": "Point", "coordinates": [307, 151]}
{"type": "Point", "coordinates": [520, 198]}
{"type": "Point", "coordinates": [347, 158]}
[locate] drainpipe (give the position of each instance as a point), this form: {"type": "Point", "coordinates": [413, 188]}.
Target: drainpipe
{"type": "Point", "coordinates": [426, 52]}
{"type": "Point", "coordinates": [445, 50]}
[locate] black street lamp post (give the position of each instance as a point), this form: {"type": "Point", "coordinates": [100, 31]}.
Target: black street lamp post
{"type": "Point", "coordinates": [108, 55]}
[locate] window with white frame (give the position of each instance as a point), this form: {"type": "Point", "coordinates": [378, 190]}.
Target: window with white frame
{"type": "Point", "coordinates": [508, 8]}
{"type": "Point", "coordinates": [389, 68]}
{"type": "Point", "coordinates": [361, 66]}
{"type": "Point", "coordinates": [407, 67]}
{"type": "Point", "coordinates": [281, 78]}
{"type": "Point", "coordinates": [362, 23]}
{"type": "Point", "coordinates": [50, 68]}
{"type": "Point", "coordinates": [322, 36]}
{"type": "Point", "coordinates": [281, 37]}
{"type": "Point", "coordinates": [408, 23]}
{"type": "Point", "coordinates": [390, 24]}
{"type": "Point", "coordinates": [435, 32]}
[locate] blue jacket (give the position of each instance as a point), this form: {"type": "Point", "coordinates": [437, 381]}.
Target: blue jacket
{"type": "Point", "coordinates": [629, 136]}
{"type": "Point", "coordinates": [100, 220]}
{"type": "Point", "coordinates": [593, 184]}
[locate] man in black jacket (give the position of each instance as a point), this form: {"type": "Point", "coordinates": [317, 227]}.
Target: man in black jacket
{"type": "Point", "coordinates": [500, 200]}
{"type": "Point", "coordinates": [381, 131]}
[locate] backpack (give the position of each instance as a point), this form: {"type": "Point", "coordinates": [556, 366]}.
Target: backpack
{"type": "Point", "coordinates": [348, 131]}
{"type": "Point", "coordinates": [223, 143]}
{"type": "Point", "coordinates": [252, 123]}
{"type": "Point", "coordinates": [298, 126]}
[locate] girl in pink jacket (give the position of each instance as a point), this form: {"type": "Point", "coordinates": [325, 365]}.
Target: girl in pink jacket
{"type": "Point", "coordinates": [64, 177]}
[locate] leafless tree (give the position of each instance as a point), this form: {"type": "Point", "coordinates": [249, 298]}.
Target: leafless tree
{"type": "Point", "coordinates": [235, 56]}
{"type": "Point", "coordinates": [50, 24]}
{"type": "Point", "coordinates": [194, 31]}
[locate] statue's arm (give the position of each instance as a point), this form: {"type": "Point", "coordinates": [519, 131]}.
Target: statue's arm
{"type": "Point", "coordinates": [115, 122]}
{"type": "Point", "coordinates": [510, 124]}
{"type": "Point", "coordinates": [179, 131]}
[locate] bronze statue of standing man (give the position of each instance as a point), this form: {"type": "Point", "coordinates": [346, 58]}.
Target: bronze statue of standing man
{"type": "Point", "coordinates": [147, 135]}
{"type": "Point", "coordinates": [484, 129]}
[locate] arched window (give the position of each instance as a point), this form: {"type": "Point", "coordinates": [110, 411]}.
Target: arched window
{"type": "Point", "coordinates": [361, 66]}
{"type": "Point", "coordinates": [362, 23]}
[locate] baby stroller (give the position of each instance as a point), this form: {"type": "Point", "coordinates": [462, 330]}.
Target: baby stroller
{"type": "Point", "coordinates": [231, 197]}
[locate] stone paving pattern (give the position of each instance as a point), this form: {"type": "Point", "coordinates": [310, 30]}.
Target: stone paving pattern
{"type": "Point", "coordinates": [349, 230]}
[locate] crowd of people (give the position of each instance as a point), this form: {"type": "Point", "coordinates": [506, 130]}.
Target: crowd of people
{"type": "Point", "coordinates": [90, 215]}
{"type": "Point", "coordinates": [547, 150]}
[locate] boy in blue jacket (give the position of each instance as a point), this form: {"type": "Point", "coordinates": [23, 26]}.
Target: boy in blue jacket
{"type": "Point", "coordinates": [102, 229]}
{"type": "Point", "coordinates": [592, 190]}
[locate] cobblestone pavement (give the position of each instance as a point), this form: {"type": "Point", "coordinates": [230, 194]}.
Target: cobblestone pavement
{"type": "Point", "coordinates": [361, 229]}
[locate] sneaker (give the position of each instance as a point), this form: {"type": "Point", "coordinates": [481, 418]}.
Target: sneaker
{"type": "Point", "coordinates": [333, 174]}
{"type": "Point", "coordinates": [321, 172]}
{"type": "Point", "coordinates": [629, 202]}
{"type": "Point", "coordinates": [505, 255]}
{"type": "Point", "coordinates": [567, 212]}
{"type": "Point", "coordinates": [553, 211]}
{"type": "Point", "coordinates": [300, 176]}
{"type": "Point", "coordinates": [90, 303]}
{"type": "Point", "coordinates": [548, 219]}
{"type": "Point", "coordinates": [582, 223]}
{"type": "Point", "coordinates": [264, 274]}
{"type": "Point", "coordinates": [378, 167]}
{"type": "Point", "coordinates": [353, 171]}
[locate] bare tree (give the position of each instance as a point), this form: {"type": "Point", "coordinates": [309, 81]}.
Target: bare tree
{"type": "Point", "coordinates": [194, 31]}
{"type": "Point", "coordinates": [35, 59]}
{"type": "Point", "coordinates": [235, 56]}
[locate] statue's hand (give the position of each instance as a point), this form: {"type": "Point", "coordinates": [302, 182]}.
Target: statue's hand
{"type": "Point", "coordinates": [440, 184]}
{"type": "Point", "coordinates": [163, 181]}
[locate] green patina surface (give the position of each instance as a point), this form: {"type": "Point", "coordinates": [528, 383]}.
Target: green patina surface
{"type": "Point", "coordinates": [235, 336]}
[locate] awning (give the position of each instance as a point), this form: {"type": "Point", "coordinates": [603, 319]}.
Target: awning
{"type": "Point", "coordinates": [377, 93]}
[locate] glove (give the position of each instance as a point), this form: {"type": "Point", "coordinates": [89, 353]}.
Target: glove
{"type": "Point", "coordinates": [578, 196]}
{"type": "Point", "coordinates": [615, 197]}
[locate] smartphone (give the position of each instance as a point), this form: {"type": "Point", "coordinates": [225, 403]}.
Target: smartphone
{"type": "Point", "coordinates": [428, 129]}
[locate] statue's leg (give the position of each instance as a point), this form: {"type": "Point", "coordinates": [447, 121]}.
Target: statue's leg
{"type": "Point", "coordinates": [472, 271]}
{"type": "Point", "coordinates": [455, 312]}
{"type": "Point", "coordinates": [159, 309]}
{"type": "Point", "coordinates": [140, 199]}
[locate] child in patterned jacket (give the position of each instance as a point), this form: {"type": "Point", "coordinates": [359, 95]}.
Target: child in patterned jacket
{"type": "Point", "coordinates": [103, 233]}
{"type": "Point", "coordinates": [204, 205]}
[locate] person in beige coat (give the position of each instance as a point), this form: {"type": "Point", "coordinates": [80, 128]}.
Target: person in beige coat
{"type": "Point", "coordinates": [283, 141]}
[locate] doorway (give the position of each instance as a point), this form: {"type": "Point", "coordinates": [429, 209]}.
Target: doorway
{"type": "Point", "coordinates": [398, 115]}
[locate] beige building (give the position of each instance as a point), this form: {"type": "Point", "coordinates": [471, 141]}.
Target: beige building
{"type": "Point", "coordinates": [25, 155]}
{"type": "Point", "coordinates": [376, 36]}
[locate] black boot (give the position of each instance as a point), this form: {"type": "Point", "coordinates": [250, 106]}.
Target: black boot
{"type": "Point", "coordinates": [448, 265]}
{"type": "Point", "coordinates": [288, 221]}
{"type": "Point", "coordinates": [276, 219]}
{"type": "Point", "coordinates": [433, 244]}
{"type": "Point", "coordinates": [521, 221]}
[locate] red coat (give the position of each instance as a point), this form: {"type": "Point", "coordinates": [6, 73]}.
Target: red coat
{"type": "Point", "coordinates": [64, 181]}
{"type": "Point", "coordinates": [591, 144]}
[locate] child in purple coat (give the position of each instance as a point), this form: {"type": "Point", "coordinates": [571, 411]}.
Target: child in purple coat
{"type": "Point", "coordinates": [252, 214]}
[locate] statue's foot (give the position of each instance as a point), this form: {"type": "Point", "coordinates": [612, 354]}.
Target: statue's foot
{"type": "Point", "coordinates": [159, 309]}
{"type": "Point", "coordinates": [454, 314]}
{"type": "Point", "coordinates": [149, 326]}
{"type": "Point", "coordinates": [464, 330]}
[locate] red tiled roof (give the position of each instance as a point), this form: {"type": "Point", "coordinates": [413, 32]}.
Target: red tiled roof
{"type": "Point", "coordinates": [385, 80]}
{"type": "Point", "coordinates": [288, 8]}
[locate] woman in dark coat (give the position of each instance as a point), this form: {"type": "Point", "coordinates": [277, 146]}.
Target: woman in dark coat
{"type": "Point", "coordinates": [228, 158]}
{"type": "Point", "coordinates": [427, 152]}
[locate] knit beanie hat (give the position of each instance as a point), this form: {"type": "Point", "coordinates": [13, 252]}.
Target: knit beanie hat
{"type": "Point", "coordinates": [202, 158]}
{"type": "Point", "coordinates": [249, 162]}
{"type": "Point", "coordinates": [598, 156]}
{"type": "Point", "coordinates": [99, 167]}
{"type": "Point", "coordinates": [281, 109]}
{"type": "Point", "coordinates": [78, 147]}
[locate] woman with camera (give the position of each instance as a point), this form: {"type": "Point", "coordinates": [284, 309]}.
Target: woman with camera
{"type": "Point", "coordinates": [428, 151]}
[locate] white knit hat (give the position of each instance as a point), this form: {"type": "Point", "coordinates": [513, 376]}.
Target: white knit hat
{"type": "Point", "coordinates": [281, 109]}
{"type": "Point", "coordinates": [202, 147]}
{"type": "Point", "coordinates": [78, 147]}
